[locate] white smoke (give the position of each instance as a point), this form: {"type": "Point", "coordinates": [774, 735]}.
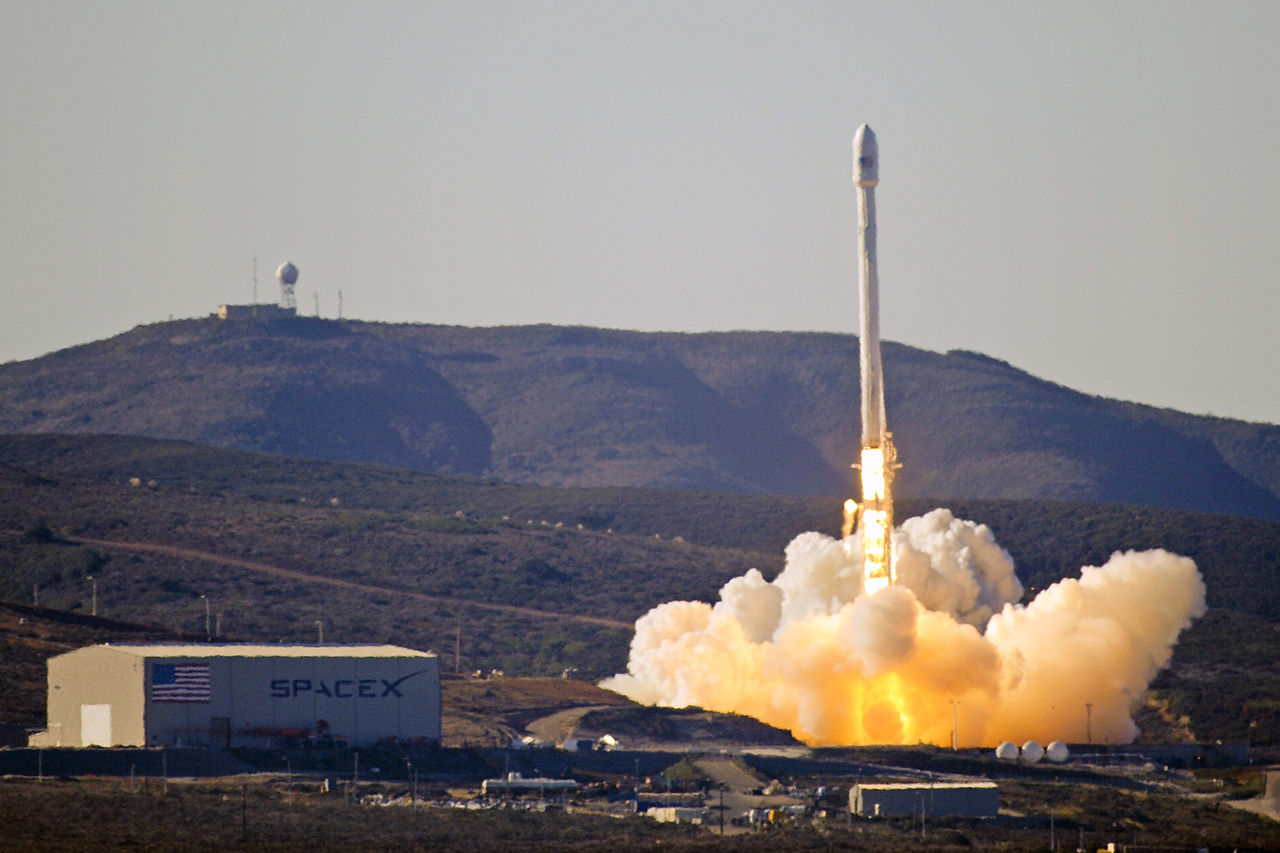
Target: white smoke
{"type": "Point", "coordinates": [811, 653]}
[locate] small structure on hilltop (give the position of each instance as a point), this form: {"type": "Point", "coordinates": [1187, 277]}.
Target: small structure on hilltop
{"type": "Point", "coordinates": [287, 275]}
{"type": "Point", "coordinates": [254, 312]}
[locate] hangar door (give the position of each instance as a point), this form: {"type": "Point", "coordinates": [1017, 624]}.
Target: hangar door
{"type": "Point", "coordinates": [95, 725]}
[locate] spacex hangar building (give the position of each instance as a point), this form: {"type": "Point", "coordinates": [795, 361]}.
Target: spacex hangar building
{"type": "Point", "coordinates": [240, 695]}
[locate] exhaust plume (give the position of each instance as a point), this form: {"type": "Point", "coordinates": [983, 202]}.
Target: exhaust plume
{"type": "Point", "coordinates": [814, 653]}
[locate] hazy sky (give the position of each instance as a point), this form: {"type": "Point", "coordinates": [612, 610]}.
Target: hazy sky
{"type": "Point", "coordinates": [1090, 191]}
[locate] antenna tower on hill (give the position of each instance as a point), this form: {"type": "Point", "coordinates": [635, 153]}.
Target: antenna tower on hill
{"type": "Point", "coordinates": [288, 276]}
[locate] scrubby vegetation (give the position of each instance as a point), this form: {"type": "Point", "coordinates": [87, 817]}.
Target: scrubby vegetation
{"type": "Point", "coordinates": [236, 815]}
{"type": "Point", "coordinates": [527, 580]}
{"type": "Point", "coordinates": [268, 814]}
{"type": "Point", "coordinates": [744, 412]}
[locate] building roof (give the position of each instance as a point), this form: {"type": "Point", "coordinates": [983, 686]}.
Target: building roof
{"type": "Point", "coordinates": [246, 650]}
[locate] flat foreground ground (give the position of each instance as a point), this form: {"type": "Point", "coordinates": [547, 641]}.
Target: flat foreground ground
{"type": "Point", "coordinates": [263, 812]}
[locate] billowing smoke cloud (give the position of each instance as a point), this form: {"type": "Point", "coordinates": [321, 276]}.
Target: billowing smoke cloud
{"type": "Point", "coordinates": [810, 653]}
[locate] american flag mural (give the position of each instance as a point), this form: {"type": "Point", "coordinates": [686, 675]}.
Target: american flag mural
{"type": "Point", "coordinates": [180, 682]}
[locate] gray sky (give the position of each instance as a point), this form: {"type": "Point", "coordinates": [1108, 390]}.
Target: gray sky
{"type": "Point", "coordinates": [1088, 190]}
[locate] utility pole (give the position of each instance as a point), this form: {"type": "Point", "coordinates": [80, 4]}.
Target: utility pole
{"type": "Point", "coordinates": [955, 724]}
{"type": "Point", "coordinates": [208, 629]}
{"type": "Point", "coordinates": [1088, 722]}
{"type": "Point", "coordinates": [94, 581]}
{"type": "Point", "coordinates": [319, 633]}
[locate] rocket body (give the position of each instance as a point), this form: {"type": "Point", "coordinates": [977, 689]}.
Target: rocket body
{"type": "Point", "coordinates": [866, 174]}
{"type": "Point", "coordinates": [878, 459]}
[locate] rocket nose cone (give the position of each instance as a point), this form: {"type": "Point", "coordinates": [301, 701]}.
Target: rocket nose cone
{"type": "Point", "coordinates": [866, 158]}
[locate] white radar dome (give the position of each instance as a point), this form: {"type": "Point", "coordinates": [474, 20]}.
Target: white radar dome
{"type": "Point", "coordinates": [288, 273]}
{"type": "Point", "coordinates": [1057, 752]}
{"type": "Point", "coordinates": [1032, 752]}
{"type": "Point", "coordinates": [1007, 751]}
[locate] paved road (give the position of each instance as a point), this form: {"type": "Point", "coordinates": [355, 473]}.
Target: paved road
{"type": "Point", "coordinates": [738, 783]}
{"type": "Point", "coordinates": [724, 771]}
{"type": "Point", "coordinates": [1268, 805]}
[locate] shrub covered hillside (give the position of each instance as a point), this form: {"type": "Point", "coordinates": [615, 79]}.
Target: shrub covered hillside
{"type": "Point", "coordinates": [529, 580]}
{"type": "Point", "coordinates": [743, 412]}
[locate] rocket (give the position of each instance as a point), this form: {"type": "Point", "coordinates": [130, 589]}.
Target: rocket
{"type": "Point", "coordinates": [866, 174]}
{"type": "Point", "coordinates": [878, 461]}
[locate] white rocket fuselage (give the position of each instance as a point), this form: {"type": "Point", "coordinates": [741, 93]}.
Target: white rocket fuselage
{"type": "Point", "coordinates": [866, 174]}
{"type": "Point", "coordinates": [879, 460]}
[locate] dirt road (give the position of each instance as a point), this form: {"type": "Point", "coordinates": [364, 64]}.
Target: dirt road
{"type": "Point", "coordinates": [293, 574]}
{"type": "Point", "coordinates": [555, 728]}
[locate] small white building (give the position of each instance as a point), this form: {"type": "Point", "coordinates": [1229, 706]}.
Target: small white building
{"type": "Point", "coordinates": [516, 784]}
{"type": "Point", "coordinates": [938, 799]}
{"type": "Point", "coordinates": [254, 312]}
{"type": "Point", "coordinates": [677, 814]}
{"type": "Point", "coordinates": [233, 695]}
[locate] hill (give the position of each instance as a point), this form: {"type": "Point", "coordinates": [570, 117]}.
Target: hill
{"type": "Point", "coordinates": [529, 580]}
{"type": "Point", "coordinates": [740, 412]}
{"type": "Point", "coordinates": [350, 520]}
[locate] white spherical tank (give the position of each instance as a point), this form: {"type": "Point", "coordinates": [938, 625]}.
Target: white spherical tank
{"type": "Point", "coordinates": [1032, 752]}
{"type": "Point", "coordinates": [288, 273]}
{"type": "Point", "coordinates": [1057, 752]}
{"type": "Point", "coordinates": [1007, 751]}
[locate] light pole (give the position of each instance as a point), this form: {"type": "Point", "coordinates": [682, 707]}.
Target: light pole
{"type": "Point", "coordinates": [319, 633]}
{"type": "Point", "coordinates": [1088, 722]}
{"type": "Point", "coordinates": [722, 810]}
{"type": "Point", "coordinates": [208, 631]}
{"type": "Point", "coordinates": [94, 610]}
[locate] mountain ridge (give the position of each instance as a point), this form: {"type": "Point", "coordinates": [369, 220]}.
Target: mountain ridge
{"type": "Point", "coordinates": [738, 412]}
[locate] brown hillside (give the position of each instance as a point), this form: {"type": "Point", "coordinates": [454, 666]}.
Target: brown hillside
{"type": "Point", "coordinates": [746, 412]}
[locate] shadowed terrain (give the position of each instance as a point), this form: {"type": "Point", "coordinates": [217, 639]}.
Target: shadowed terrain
{"type": "Point", "coordinates": [738, 412]}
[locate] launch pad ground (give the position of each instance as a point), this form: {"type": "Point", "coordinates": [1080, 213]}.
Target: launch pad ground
{"type": "Point", "coordinates": [323, 811]}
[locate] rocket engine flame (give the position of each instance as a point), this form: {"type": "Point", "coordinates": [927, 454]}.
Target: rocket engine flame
{"type": "Point", "coordinates": [876, 514]}
{"type": "Point", "coordinates": [815, 653]}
